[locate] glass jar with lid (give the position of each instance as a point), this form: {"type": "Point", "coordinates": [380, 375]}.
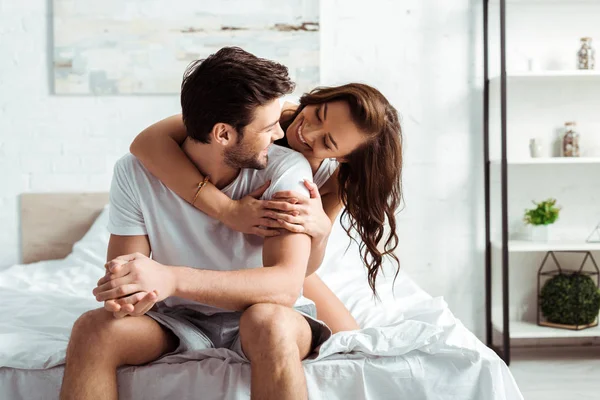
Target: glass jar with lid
{"type": "Point", "coordinates": [570, 141]}
{"type": "Point", "coordinates": [586, 54]}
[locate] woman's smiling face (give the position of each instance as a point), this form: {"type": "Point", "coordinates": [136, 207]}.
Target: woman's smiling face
{"type": "Point", "coordinates": [325, 131]}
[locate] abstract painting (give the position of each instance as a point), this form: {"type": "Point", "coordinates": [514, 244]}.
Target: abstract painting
{"type": "Point", "coordinates": [113, 47]}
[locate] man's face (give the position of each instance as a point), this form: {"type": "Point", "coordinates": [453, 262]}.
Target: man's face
{"type": "Point", "coordinates": [252, 150]}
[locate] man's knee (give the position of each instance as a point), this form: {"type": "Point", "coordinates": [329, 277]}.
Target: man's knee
{"type": "Point", "coordinates": [93, 333]}
{"type": "Point", "coordinates": [268, 328]}
{"type": "Point", "coordinates": [92, 326]}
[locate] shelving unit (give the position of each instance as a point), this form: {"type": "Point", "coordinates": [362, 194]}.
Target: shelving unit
{"type": "Point", "coordinates": [498, 318]}
{"type": "Point", "coordinates": [550, 160]}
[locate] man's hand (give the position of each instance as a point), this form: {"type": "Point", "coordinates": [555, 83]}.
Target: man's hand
{"type": "Point", "coordinates": [135, 305]}
{"type": "Point", "coordinates": [133, 273]}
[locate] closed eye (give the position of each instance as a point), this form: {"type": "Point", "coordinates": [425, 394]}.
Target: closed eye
{"type": "Point", "coordinates": [325, 143]}
{"type": "Point", "coordinates": [317, 113]}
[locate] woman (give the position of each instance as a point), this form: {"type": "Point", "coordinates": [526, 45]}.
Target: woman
{"type": "Point", "coordinates": [351, 137]}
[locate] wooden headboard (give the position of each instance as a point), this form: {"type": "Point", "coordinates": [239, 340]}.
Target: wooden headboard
{"type": "Point", "coordinates": [52, 222]}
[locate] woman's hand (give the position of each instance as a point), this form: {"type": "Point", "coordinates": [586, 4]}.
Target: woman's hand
{"type": "Point", "coordinates": [248, 215]}
{"type": "Point", "coordinates": [296, 213]}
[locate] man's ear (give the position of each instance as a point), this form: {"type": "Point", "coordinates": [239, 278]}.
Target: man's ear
{"type": "Point", "coordinates": [223, 134]}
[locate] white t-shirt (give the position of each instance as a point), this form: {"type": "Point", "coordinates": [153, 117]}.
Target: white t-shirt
{"type": "Point", "coordinates": [179, 234]}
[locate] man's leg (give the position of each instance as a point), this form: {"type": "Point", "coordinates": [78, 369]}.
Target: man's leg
{"type": "Point", "coordinates": [100, 343]}
{"type": "Point", "coordinates": [275, 339]}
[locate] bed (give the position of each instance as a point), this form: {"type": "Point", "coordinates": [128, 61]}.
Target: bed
{"type": "Point", "coordinates": [410, 345]}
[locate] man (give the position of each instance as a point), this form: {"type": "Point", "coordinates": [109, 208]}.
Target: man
{"type": "Point", "coordinates": [204, 276]}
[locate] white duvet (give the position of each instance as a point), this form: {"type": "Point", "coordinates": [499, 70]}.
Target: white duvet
{"type": "Point", "coordinates": [410, 347]}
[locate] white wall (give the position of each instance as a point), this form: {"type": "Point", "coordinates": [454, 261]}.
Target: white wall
{"type": "Point", "coordinates": [421, 54]}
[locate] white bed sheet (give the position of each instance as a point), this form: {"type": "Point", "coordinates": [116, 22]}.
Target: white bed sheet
{"type": "Point", "coordinates": [410, 347]}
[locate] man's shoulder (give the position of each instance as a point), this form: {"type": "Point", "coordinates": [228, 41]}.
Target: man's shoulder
{"type": "Point", "coordinates": [127, 161]}
{"type": "Point", "coordinates": [130, 171]}
{"type": "Point", "coordinates": [286, 169]}
{"type": "Point", "coordinates": [280, 156]}
{"type": "Point", "coordinates": [129, 164]}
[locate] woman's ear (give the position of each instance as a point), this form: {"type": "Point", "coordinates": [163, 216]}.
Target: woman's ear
{"type": "Point", "coordinates": [222, 134]}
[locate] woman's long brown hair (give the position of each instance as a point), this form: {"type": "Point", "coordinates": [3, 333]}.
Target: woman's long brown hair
{"type": "Point", "coordinates": [369, 178]}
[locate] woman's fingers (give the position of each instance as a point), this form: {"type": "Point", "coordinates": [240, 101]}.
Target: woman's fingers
{"type": "Point", "coordinates": [291, 227]}
{"type": "Point", "coordinates": [279, 224]}
{"type": "Point", "coordinates": [292, 219]}
{"type": "Point", "coordinates": [312, 189]}
{"type": "Point", "coordinates": [269, 223]}
{"type": "Point", "coordinates": [279, 205]}
{"type": "Point", "coordinates": [288, 194]}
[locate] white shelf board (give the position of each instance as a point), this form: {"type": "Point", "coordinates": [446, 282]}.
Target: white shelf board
{"type": "Point", "coordinates": [551, 160]}
{"type": "Point", "coordinates": [531, 330]}
{"type": "Point", "coordinates": [566, 2]}
{"type": "Point", "coordinates": [555, 75]}
{"type": "Point", "coordinates": [558, 245]}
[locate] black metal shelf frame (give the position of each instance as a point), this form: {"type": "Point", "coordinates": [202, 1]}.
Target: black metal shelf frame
{"type": "Point", "coordinates": [504, 351]}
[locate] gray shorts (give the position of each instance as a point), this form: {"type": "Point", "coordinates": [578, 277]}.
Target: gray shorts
{"type": "Point", "coordinates": [198, 332]}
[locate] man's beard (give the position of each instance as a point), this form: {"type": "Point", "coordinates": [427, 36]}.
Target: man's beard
{"type": "Point", "coordinates": [242, 157]}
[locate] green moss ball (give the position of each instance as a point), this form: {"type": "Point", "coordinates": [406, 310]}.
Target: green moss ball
{"type": "Point", "coordinates": [571, 299]}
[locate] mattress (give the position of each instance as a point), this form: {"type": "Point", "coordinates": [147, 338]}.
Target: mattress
{"type": "Point", "coordinates": [410, 346]}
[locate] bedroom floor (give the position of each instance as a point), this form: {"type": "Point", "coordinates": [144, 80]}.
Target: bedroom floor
{"type": "Point", "coordinates": [557, 373]}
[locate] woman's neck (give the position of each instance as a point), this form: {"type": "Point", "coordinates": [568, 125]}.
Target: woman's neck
{"type": "Point", "coordinates": [315, 164]}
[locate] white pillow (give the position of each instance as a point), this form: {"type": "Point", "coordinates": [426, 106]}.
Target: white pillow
{"type": "Point", "coordinates": [92, 247]}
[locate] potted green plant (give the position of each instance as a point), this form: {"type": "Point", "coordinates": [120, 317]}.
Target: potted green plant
{"type": "Point", "coordinates": [545, 213]}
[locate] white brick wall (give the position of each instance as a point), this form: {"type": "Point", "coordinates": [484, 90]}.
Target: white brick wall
{"type": "Point", "coordinates": [54, 143]}
{"type": "Point", "coordinates": [420, 53]}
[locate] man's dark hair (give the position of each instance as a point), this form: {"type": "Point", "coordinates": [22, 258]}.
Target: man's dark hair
{"type": "Point", "coordinates": [227, 87]}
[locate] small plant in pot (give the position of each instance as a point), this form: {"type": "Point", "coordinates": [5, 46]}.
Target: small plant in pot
{"type": "Point", "coordinates": [545, 213]}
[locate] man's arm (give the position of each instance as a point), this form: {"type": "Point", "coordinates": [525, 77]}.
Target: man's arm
{"type": "Point", "coordinates": [285, 259]}
{"type": "Point", "coordinates": [280, 281]}
{"type": "Point", "coordinates": [120, 245]}
{"type": "Point", "coordinates": [138, 303]}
